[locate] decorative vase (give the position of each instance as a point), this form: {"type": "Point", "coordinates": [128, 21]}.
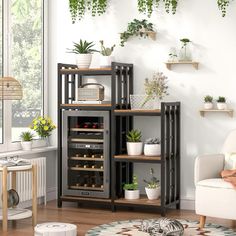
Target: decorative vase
{"type": "Point", "coordinates": [156, 103]}
{"type": "Point", "coordinates": [152, 149]}
{"type": "Point", "coordinates": [134, 148]}
{"type": "Point", "coordinates": [26, 145]}
{"type": "Point", "coordinates": [105, 61]}
{"type": "Point", "coordinates": [153, 193]}
{"type": "Point", "coordinates": [208, 105]}
{"type": "Point", "coordinates": [132, 194]}
{"type": "Point", "coordinates": [185, 53]}
{"type": "Point", "coordinates": [46, 140]}
{"type": "Point", "coordinates": [83, 61]}
{"type": "Point", "coordinates": [221, 105]}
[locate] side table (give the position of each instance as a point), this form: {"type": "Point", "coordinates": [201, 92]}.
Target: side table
{"type": "Point", "coordinates": [17, 213]}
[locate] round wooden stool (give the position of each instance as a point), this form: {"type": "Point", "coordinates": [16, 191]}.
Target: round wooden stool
{"type": "Point", "coordinates": [55, 229]}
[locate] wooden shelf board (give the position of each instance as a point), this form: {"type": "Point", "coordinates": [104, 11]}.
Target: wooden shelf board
{"type": "Point", "coordinates": [151, 34]}
{"type": "Point", "coordinates": [73, 198]}
{"type": "Point", "coordinates": [86, 69]}
{"type": "Point", "coordinates": [86, 130]}
{"type": "Point", "coordinates": [86, 169]}
{"type": "Point", "coordinates": [193, 63]}
{"type": "Point", "coordinates": [84, 140]}
{"type": "Point", "coordinates": [86, 159]}
{"type": "Point", "coordinates": [229, 111]}
{"type": "Point", "coordinates": [123, 112]}
{"type": "Point", "coordinates": [86, 105]}
{"type": "Point", "coordinates": [86, 188]}
{"type": "Point", "coordinates": [142, 201]}
{"type": "Point", "coordinates": [141, 157]}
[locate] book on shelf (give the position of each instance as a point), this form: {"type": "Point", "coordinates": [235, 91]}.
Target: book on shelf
{"type": "Point", "coordinates": [11, 162]}
{"type": "Point", "coordinates": [91, 102]}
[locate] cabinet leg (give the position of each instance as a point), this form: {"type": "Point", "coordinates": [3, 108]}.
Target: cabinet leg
{"type": "Point", "coordinates": [163, 212]}
{"type": "Point", "coordinates": [4, 198]}
{"type": "Point", "coordinates": [113, 208]}
{"type": "Point", "coordinates": [178, 206]}
{"type": "Point", "coordinates": [202, 221]}
{"type": "Point", "coordinates": [34, 194]}
{"type": "Point", "coordinates": [59, 203]}
{"type": "Point", "coordinates": [13, 180]}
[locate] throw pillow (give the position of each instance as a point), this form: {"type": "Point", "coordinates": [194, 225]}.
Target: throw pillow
{"type": "Point", "coordinates": [230, 161]}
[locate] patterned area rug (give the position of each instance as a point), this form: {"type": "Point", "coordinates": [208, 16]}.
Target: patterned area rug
{"type": "Point", "coordinates": [131, 228]}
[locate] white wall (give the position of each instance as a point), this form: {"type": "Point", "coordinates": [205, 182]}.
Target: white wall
{"type": "Point", "coordinates": [214, 40]}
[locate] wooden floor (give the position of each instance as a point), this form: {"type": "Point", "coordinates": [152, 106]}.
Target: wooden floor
{"type": "Point", "coordinates": [86, 219]}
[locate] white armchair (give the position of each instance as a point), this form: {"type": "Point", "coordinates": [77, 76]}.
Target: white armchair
{"type": "Point", "coordinates": [214, 196]}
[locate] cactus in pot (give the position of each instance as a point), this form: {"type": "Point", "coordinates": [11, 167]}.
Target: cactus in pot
{"type": "Point", "coordinates": [106, 58]}
{"type": "Point", "coordinates": [152, 147]}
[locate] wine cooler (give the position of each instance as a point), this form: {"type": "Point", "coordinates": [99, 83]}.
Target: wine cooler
{"type": "Point", "coordinates": [85, 153]}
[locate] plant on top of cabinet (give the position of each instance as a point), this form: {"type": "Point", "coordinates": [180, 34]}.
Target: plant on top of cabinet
{"type": "Point", "coordinates": [83, 51]}
{"type": "Point", "coordinates": [147, 6]}
{"type": "Point", "coordinates": [222, 5]}
{"type": "Point", "coordinates": [26, 140]}
{"type": "Point", "coordinates": [156, 89]}
{"type": "Point", "coordinates": [141, 28]}
{"type": "Point", "coordinates": [131, 190]}
{"type": "Point", "coordinates": [153, 187]}
{"type": "Point", "coordinates": [221, 103]}
{"type": "Point", "coordinates": [134, 143]}
{"type": "Point", "coordinates": [105, 58]}
{"type": "Point", "coordinates": [208, 102]}
{"type": "Point", "coordinates": [79, 7]}
{"type": "Point", "coordinates": [185, 54]}
{"type": "Point", "coordinates": [152, 147]}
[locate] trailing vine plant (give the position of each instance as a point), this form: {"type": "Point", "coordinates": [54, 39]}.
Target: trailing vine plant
{"type": "Point", "coordinates": [79, 7]}
{"type": "Point", "coordinates": [136, 28]}
{"type": "Point", "coordinates": [222, 5]}
{"type": "Point", "coordinates": [147, 6]}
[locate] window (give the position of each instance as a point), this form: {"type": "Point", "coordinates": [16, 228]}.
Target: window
{"type": "Point", "coordinates": [24, 60]}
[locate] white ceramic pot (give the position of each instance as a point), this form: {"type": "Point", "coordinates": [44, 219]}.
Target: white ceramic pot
{"type": "Point", "coordinates": [153, 193]}
{"type": "Point", "coordinates": [134, 148]}
{"type": "Point", "coordinates": [26, 146]}
{"type": "Point", "coordinates": [221, 105]}
{"type": "Point", "coordinates": [132, 194]}
{"type": "Point", "coordinates": [152, 149]}
{"type": "Point", "coordinates": [208, 105]}
{"type": "Point", "coordinates": [83, 61]}
{"type": "Point", "coordinates": [105, 61]}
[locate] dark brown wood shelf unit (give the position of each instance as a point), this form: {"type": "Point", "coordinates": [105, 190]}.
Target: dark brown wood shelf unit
{"type": "Point", "coordinates": [86, 159]}
{"type": "Point", "coordinates": [129, 112]}
{"type": "Point", "coordinates": [141, 158]}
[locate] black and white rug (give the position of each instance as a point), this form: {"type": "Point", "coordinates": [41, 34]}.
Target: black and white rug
{"type": "Point", "coordinates": [132, 228]}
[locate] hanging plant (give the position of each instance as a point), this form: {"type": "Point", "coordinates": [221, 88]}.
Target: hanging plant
{"type": "Point", "coordinates": [147, 6]}
{"type": "Point", "coordinates": [222, 5]}
{"type": "Point", "coordinates": [79, 7]}
{"type": "Point", "coordinates": [137, 28]}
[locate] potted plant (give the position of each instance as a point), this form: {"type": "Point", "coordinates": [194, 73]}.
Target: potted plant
{"type": "Point", "coordinates": [185, 54]}
{"type": "Point", "coordinates": [208, 102]}
{"type": "Point", "coordinates": [105, 58]}
{"type": "Point", "coordinates": [43, 126]}
{"type": "Point", "coordinates": [221, 103]}
{"type": "Point", "coordinates": [134, 143]}
{"type": "Point", "coordinates": [152, 147]}
{"type": "Point", "coordinates": [83, 51]}
{"type": "Point", "coordinates": [153, 189]}
{"type": "Point", "coordinates": [131, 190]}
{"type": "Point", "coordinates": [26, 140]}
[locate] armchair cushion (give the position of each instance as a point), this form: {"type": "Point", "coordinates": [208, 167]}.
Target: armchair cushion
{"type": "Point", "coordinates": [215, 183]}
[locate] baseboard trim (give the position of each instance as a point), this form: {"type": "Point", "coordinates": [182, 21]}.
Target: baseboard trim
{"type": "Point", "coordinates": [51, 193]}
{"type": "Point", "coordinates": [187, 204]}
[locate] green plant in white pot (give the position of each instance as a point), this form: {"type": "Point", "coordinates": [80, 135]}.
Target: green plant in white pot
{"type": "Point", "coordinates": [83, 51]}
{"type": "Point", "coordinates": [131, 190]}
{"type": "Point", "coordinates": [208, 102]}
{"type": "Point", "coordinates": [152, 189]}
{"type": "Point", "coordinates": [152, 147]}
{"type": "Point", "coordinates": [106, 58]}
{"type": "Point", "coordinates": [134, 143]}
{"type": "Point", "coordinates": [221, 103]}
{"type": "Point", "coordinates": [26, 140]}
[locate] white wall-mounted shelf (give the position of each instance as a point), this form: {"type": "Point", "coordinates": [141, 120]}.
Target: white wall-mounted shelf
{"type": "Point", "coordinates": [193, 63]}
{"type": "Point", "coordinates": [230, 112]}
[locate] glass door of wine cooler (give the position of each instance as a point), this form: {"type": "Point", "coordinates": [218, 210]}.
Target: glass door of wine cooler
{"type": "Point", "coordinates": [85, 153]}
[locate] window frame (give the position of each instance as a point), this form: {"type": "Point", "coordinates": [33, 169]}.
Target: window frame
{"type": "Point", "coordinates": [7, 144]}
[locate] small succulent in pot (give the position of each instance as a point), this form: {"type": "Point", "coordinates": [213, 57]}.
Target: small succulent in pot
{"type": "Point", "coordinates": [134, 143]}
{"type": "Point", "coordinates": [152, 147]}
{"type": "Point", "coordinates": [106, 58]}
{"type": "Point", "coordinates": [26, 140]}
{"type": "Point", "coordinates": [131, 189]}
{"type": "Point", "coordinates": [208, 102]}
{"type": "Point", "coordinates": [153, 186]}
{"type": "Point", "coordinates": [221, 103]}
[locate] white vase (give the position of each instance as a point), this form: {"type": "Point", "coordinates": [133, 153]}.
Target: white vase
{"type": "Point", "coordinates": [132, 194]}
{"type": "Point", "coordinates": [152, 149]}
{"type": "Point", "coordinates": [156, 103]}
{"type": "Point", "coordinates": [221, 105]}
{"type": "Point", "coordinates": [105, 61]}
{"type": "Point", "coordinates": [208, 105]}
{"type": "Point", "coordinates": [26, 146]}
{"type": "Point", "coordinates": [83, 61]}
{"type": "Point", "coordinates": [153, 193]}
{"type": "Point", "coordinates": [134, 148]}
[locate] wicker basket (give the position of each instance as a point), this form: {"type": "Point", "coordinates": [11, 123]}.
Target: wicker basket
{"type": "Point", "coordinates": [137, 102]}
{"type": "Point", "coordinates": [91, 94]}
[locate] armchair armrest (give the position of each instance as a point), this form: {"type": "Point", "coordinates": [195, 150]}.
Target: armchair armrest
{"type": "Point", "coordinates": [208, 166]}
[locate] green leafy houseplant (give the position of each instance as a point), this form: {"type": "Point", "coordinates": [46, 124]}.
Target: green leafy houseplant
{"type": "Point", "coordinates": [147, 6]}
{"type": "Point", "coordinates": [208, 98]}
{"type": "Point", "coordinates": [134, 136]}
{"type": "Point", "coordinates": [221, 99]}
{"type": "Point", "coordinates": [26, 136]}
{"type": "Point", "coordinates": [133, 185]}
{"type": "Point", "coordinates": [136, 28]}
{"type": "Point", "coordinates": [184, 54]}
{"type": "Point", "coordinates": [79, 7]}
{"type": "Point", "coordinates": [222, 5]}
{"type": "Point", "coordinates": [82, 47]}
{"type": "Point", "coordinates": [153, 182]}
{"type": "Point", "coordinates": [105, 51]}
